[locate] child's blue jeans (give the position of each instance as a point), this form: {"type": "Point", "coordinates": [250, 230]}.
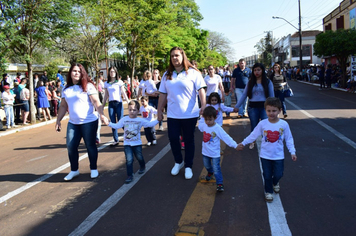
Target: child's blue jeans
{"type": "Point", "coordinates": [212, 165]}
{"type": "Point", "coordinates": [272, 173]}
{"type": "Point", "coordinates": [130, 151]}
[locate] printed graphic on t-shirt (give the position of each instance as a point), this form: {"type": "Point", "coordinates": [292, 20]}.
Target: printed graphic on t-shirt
{"type": "Point", "coordinates": [208, 137]}
{"type": "Point", "coordinates": [273, 136]}
{"type": "Point", "coordinates": [132, 130]}
{"type": "Point", "coordinates": [145, 114]}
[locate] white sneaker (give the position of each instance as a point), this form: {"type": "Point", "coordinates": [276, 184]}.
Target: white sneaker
{"type": "Point", "coordinates": [71, 175]}
{"type": "Point", "coordinates": [276, 188]}
{"type": "Point", "coordinates": [154, 142]}
{"type": "Point", "coordinates": [8, 127]}
{"type": "Point", "coordinates": [94, 174]}
{"type": "Point", "coordinates": [149, 144]}
{"type": "Point", "coordinates": [188, 173]}
{"type": "Point", "coordinates": [176, 168]}
{"type": "Point", "coordinates": [268, 197]}
{"type": "Point", "coordinates": [160, 128]}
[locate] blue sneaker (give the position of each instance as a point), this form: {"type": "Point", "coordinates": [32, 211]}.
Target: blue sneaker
{"type": "Point", "coordinates": [129, 179]}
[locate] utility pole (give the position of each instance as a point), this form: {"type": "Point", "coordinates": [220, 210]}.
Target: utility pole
{"type": "Point", "coordinates": [300, 40]}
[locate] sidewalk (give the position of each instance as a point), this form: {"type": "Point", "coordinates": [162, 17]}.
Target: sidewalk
{"type": "Point", "coordinates": [318, 85]}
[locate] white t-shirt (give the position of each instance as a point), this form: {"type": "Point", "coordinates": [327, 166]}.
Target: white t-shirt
{"type": "Point", "coordinates": [212, 84]}
{"type": "Point", "coordinates": [8, 99]}
{"type": "Point", "coordinates": [220, 108]}
{"type": "Point", "coordinates": [114, 90]}
{"type": "Point", "coordinates": [149, 86]}
{"type": "Point", "coordinates": [211, 139]}
{"type": "Point", "coordinates": [142, 87]}
{"type": "Point", "coordinates": [132, 128]}
{"type": "Point", "coordinates": [181, 90]}
{"type": "Point", "coordinates": [273, 135]}
{"type": "Point", "coordinates": [226, 78]}
{"type": "Point", "coordinates": [80, 108]}
{"type": "Point", "coordinates": [147, 112]}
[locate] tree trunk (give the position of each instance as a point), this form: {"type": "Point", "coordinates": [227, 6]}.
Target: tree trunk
{"type": "Point", "coordinates": [32, 97]}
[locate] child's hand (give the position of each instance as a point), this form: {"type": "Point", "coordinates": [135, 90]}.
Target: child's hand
{"type": "Point", "coordinates": [294, 157]}
{"type": "Point", "coordinates": [240, 147]}
{"type": "Point", "coordinates": [236, 109]}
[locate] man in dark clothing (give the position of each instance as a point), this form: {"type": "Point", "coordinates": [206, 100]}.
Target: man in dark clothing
{"type": "Point", "coordinates": [44, 77]}
{"type": "Point", "coordinates": [239, 81]}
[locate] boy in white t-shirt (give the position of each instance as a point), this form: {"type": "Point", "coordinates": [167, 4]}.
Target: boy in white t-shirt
{"type": "Point", "coordinates": [147, 113]}
{"type": "Point", "coordinates": [212, 134]}
{"type": "Point", "coordinates": [132, 137]}
{"type": "Point", "coordinates": [273, 131]}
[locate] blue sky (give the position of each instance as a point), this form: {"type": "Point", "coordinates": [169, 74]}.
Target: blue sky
{"type": "Point", "coordinates": [244, 23]}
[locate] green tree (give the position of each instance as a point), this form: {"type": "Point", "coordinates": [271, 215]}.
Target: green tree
{"type": "Point", "coordinates": [340, 43]}
{"type": "Point", "coordinates": [265, 47]}
{"type": "Point", "coordinates": [30, 24]}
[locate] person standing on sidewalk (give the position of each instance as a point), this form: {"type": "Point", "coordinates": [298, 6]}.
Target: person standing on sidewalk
{"type": "Point", "coordinates": [239, 81]}
{"type": "Point", "coordinates": [8, 97]}
{"type": "Point", "coordinates": [80, 97]}
{"type": "Point", "coordinates": [180, 85]}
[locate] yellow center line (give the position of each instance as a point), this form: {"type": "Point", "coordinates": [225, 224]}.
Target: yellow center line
{"type": "Point", "coordinates": [200, 204]}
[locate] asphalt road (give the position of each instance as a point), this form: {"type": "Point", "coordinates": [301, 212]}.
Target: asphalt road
{"type": "Point", "coordinates": [317, 192]}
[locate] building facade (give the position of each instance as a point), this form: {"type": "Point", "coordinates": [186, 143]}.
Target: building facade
{"type": "Point", "coordinates": [342, 17]}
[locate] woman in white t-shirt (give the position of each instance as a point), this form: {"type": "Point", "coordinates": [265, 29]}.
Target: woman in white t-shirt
{"type": "Point", "coordinates": [214, 83]}
{"type": "Point", "coordinates": [114, 90]}
{"type": "Point", "coordinates": [180, 85]}
{"type": "Point", "coordinates": [80, 98]}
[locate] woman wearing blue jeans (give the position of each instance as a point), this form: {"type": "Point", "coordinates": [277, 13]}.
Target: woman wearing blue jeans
{"type": "Point", "coordinates": [80, 97]}
{"type": "Point", "coordinates": [258, 88]}
{"type": "Point", "coordinates": [114, 89]}
{"type": "Point", "coordinates": [180, 85]}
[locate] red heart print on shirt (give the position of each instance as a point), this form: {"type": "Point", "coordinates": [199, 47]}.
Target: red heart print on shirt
{"type": "Point", "coordinates": [145, 114]}
{"type": "Point", "coordinates": [206, 137]}
{"type": "Point", "coordinates": [272, 136]}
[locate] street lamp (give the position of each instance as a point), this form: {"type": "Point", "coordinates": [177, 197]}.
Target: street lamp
{"type": "Point", "coordinates": [300, 35]}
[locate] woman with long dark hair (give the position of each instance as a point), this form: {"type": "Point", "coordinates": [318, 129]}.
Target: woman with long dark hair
{"type": "Point", "coordinates": [80, 98]}
{"type": "Point", "coordinates": [258, 88]}
{"type": "Point", "coordinates": [180, 85]}
{"type": "Point", "coordinates": [114, 89]}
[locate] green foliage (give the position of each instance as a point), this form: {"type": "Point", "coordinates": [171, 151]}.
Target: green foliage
{"type": "Point", "coordinates": [340, 43]}
{"type": "Point", "coordinates": [52, 70]}
{"type": "Point", "coordinates": [264, 48]}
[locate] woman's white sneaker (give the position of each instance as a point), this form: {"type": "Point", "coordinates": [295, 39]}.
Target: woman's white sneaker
{"type": "Point", "coordinates": [176, 168]}
{"type": "Point", "coordinates": [71, 175]}
{"type": "Point", "coordinates": [94, 174]}
{"type": "Point", "coordinates": [188, 173]}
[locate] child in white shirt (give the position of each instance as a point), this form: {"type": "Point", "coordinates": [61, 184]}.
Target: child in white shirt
{"type": "Point", "coordinates": [212, 134]}
{"type": "Point", "coordinates": [132, 137]}
{"type": "Point", "coordinates": [147, 113]}
{"type": "Point", "coordinates": [214, 100]}
{"type": "Point", "coordinates": [273, 132]}
{"type": "Point", "coordinates": [227, 101]}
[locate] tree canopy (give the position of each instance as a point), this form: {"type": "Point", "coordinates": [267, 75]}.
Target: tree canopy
{"type": "Point", "coordinates": [340, 43]}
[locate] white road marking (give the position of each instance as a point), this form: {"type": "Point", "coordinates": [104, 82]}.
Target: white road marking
{"type": "Point", "coordinates": [333, 131]}
{"type": "Point", "coordinates": [44, 177]}
{"type": "Point", "coordinates": [37, 158]}
{"type": "Point", "coordinates": [276, 215]}
{"type": "Point", "coordinates": [94, 217]}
